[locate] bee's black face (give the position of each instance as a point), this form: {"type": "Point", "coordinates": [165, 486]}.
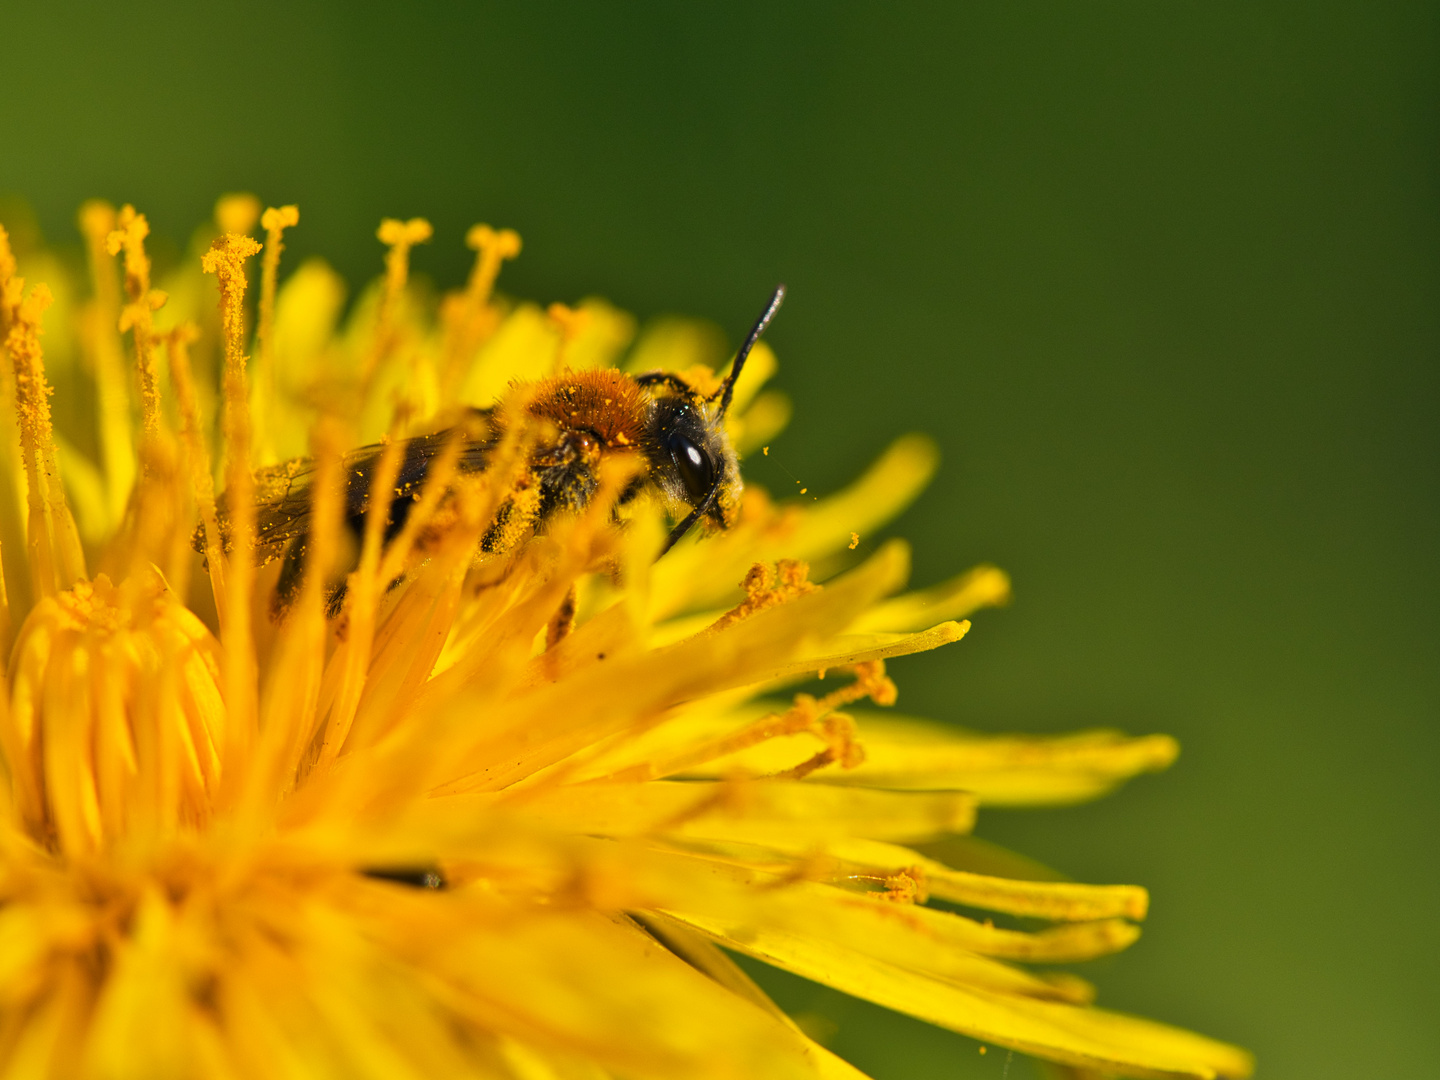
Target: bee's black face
{"type": "Point", "coordinates": [691, 461]}
{"type": "Point", "coordinates": [696, 469]}
{"type": "Point", "coordinates": [687, 457]}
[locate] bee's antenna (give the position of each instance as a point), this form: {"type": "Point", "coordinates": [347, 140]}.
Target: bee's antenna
{"type": "Point", "coordinates": [761, 323]}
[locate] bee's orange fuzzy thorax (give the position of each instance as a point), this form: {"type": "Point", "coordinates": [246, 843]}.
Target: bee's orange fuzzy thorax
{"type": "Point", "coordinates": [603, 401]}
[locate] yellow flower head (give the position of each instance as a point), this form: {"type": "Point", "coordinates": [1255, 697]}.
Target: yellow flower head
{"type": "Point", "coordinates": [491, 790]}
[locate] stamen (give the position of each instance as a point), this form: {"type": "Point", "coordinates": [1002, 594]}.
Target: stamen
{"type": "Point", "coordinates": [101, 330]}
{"type": "Point", "coordinates": [571, 322]}
{"type": "Point", "coordinates": [275, 221]}
{"type": "Point", "coordinates": [56, 558]}
{"type": "Point", "coordinates": [136, 316]}
{"type": "Point", "coordinates": [437, 485]}
{"type": "Point", "coordinates": [202, 480]}
{"type": "Point", "coordinates": [163, 515]}
{"type": "Point", "coordinates": [362, 594]}
{"type": "Point", "coordinates": [492, 247]}
{"type": "Point", "coordinates": [226, 260]}
{"type": "Point", "coordinates": [401, 236]}
{"type": "Point", "coordinates": [469, 317]}
{"type": "Point", "coordinates": [808, 715]}
{"type": "Point", "coordinates": [361, 719]}
{"type": "Point", "coordinates": [293, 687]}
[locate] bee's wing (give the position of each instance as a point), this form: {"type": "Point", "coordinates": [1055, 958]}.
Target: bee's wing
{"type": "Point", "coordinates": [283, 495]}
{"type": "Point", "coordinates": [283, 498]}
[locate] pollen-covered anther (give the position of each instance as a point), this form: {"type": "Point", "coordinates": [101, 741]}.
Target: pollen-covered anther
{"type": "Point", "coordinates": [766, 587]}
{"type": "Point", "coordinates": [277, 219]}
{"type": "Point", "coordinates": [400, 237]}
{"type": "Point", "coordinates": [129, 236]}
{"type": "Point", "coordinates": [116, 717]}
{"type": "Point", "coordinates": [492, 243]}
{"type": "Point", "coordinates": [871, 682]}
{"type": "Point", "coordinates": [906, 886]}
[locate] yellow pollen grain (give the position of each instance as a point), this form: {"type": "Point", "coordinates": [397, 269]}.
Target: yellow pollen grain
{"type": "Point", "coordinates": [275, 222]}
{"type": "Point", "coordinates": [226, 260]}
{"type": "Point", "coordinates": [765, 450]}
{"type": "Point", "coordinates": [129, 236]}
{"type": "Point", "coordinates": [854, 540]}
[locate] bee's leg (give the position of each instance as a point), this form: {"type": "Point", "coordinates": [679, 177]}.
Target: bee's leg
{"type": "Point", "coordinates": [562, 622]}
{"type": "Point", "coordinates": [492, 539]}
{"type": "Point", "coordinates": [566, 474]}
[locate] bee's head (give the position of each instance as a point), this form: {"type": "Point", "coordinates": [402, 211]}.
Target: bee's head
{"type": "Point", "coordinates": [690, 456]}
{"type": "Point", "coordinates": [691, 459]}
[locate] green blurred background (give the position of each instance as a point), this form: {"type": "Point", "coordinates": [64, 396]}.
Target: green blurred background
{"type": "Point", "coordinates": [1161, 278]}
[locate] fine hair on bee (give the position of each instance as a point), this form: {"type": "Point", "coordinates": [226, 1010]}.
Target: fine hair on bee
{"type": "Point", "coordinates": [678, 434]}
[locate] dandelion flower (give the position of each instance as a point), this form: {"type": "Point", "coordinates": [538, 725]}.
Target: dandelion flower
{"type": "Point", "coordinates": [504, 814]}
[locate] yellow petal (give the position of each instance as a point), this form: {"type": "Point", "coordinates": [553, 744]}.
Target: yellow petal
{"type": "Point", "coordinates": [984, 586]}
{"type": "Point", "coordinates": [602, 333]}
{"type": "Point", "coordinates": [583, 984]}
{"type": "Point", "coordinates": [747, 812]}
{"type": "Point", "coordinates": [761, 422]}
{"type": "Point", "coordinates": [702, 954]}
{"type": "Point", "coordinates": [1064, 900]}
{"type": "Point", "coordinates": [535, 730]}
{"type": "Point", "coordinates": [1002, 770]}
{"type": "Point", "coordinates": [141, 1025]}
{"type": "Point", "coordinates": [913, 936]}
{"type": "Point", "coordinates": [524, 347]}
{"type": "Point", "coordinates": [885, 489]}
{"type": "Point", "coordinates": [1086, 1037]}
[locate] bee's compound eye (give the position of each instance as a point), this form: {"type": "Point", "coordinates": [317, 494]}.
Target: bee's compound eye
{"type": "Point", "coordinates": [696, 469]}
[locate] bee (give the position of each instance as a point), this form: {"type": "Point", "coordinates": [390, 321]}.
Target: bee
{"type": "Point", "coordinates": [678, 433]}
